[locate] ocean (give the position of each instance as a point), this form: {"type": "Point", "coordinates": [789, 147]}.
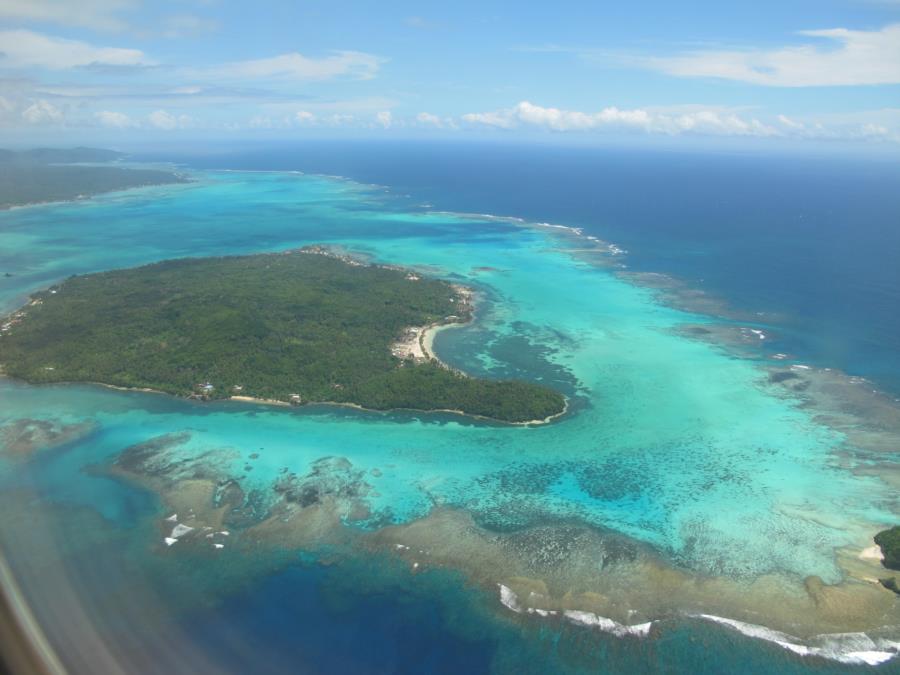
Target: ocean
{"type": "Point", "coordinates": [726, 330]}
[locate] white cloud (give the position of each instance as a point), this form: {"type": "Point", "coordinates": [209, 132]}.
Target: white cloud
{"type": "Point", "coordinates": [305, 113]}
{"type": "Point", "coordinates": [340, 119]}
{"type": "Point", "coordinates": [385, 118]}
{"type": "Point", "coordinates": [849, 57]}
{"type": "Point", "coordinates": [710, 122]}
{"type": "Point", "coordinates": [296, 66]}
{"type": "Point", "coordinates": [873, 125]}
{"type": "Point", "coordinates": [163, 120]}
{"type": "Point", "coordinates": [706, 121]}
{"type": "Point", "coordinates": [42, 112]}
{"type": "Point", "coordinates": [24, 48]}
{"type": "Point", "coordinates": [166, 121]}
{"type": "Point", "coordinates": [869, 125]}
{"type": "Point", "coordinates": [428, 119]}
{"type": "Point", "coordinates": [789, 123]}
{"type": "Point", "coordinates": [503, 119]}
{"type": "Point", "coordinates": [117, 120]}
{"type": "Point", "coordinates": [565, 120]}
{"type": "Point", "coordinates": [96, 14]}
{"type": "Point", "coordinates": [269, 122]}
{"type": "Point", "coordinates": [875, 130]}
{"type": "Point", "coordinates": [292, 120]}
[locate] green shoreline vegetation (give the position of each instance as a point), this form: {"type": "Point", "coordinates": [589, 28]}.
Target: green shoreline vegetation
{"type": "Point", "coordinates": [889, 543]}
{"type": "Point", "coordinates": [51, 175]}
{"type": "Point", "coordinates": [304, 326]}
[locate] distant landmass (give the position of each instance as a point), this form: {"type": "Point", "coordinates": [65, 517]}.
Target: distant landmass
{"type": "Point", "coordinates": [60, 155]}
{"type": "Point", "coordinates": [53, 174]}
{"type": "Point", "coordinates": [309, 325]}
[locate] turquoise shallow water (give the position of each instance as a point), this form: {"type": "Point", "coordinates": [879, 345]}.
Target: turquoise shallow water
{"type": "Point", "coordinates": [676, 443]}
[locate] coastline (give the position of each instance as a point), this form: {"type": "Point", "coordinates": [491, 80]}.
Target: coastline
{"type": "Point", "coordinates": [176, 179]}
{"type": "Point", "coordinates": [356, 406]}
{"type": "Point", "coordinates": [424, 337]}
{"type": "Point", "coordinates": [417, 342]}
{"type": "Point", "coordinates": [75, 200]}
{"type": "Point", "coordinates": [428, 334]}
{"type": "Point", "coordinates": [286, 404]}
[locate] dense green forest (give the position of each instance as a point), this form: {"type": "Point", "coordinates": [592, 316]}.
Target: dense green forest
{"type": "Point", "coordinates": [889, 542]}
{"type": "Point", "coordinates": [268, 326]}
{"type": "Point", "coordinates": [47, 174]}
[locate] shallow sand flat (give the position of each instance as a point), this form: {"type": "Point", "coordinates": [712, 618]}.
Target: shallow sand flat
{"type": "Point", "coordinates": [21, 438]}
{"type": "Point", "coordinates": [552, 569]}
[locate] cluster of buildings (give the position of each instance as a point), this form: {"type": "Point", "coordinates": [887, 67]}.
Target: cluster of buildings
{"type": "Point", "coordinates": [12, 320]}
{"type": "Point", "coordinates": [331, 253]}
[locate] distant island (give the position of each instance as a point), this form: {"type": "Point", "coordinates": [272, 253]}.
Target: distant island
{"type": "Point", "coordinates": [51, 174]}
{"type": "Point", "coordinates": [304, 326]}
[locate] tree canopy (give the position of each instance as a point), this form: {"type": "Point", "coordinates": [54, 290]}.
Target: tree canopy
{"type": "Point", "coordinates": [282, 326]}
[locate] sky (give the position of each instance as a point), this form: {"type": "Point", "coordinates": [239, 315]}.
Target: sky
{"type": "Point", "coordinates": [768, 71]}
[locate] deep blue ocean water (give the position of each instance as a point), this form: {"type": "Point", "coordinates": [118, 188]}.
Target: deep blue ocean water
{"type": "Point", "coordinates": [323, 620]}
{"type": "Point", "coordinates": [812, 242]}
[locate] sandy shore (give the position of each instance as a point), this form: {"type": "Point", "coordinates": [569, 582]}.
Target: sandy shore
{"type": "Point", "coordinates": [417, 342]}
{"type": "Point", "coordinates": [871, 553]}
{"type": "Point", "coordinates": [427, 336]}
{"type": "Point", "coordinates": [357, 406]}
{"type": "Point", "coordinates": [266, 401]}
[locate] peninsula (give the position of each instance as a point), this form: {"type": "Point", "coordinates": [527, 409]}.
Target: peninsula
{"type": "Point", "coordinates": [51, 175]}
{"type": "Point", "coordinates": [303, 326]}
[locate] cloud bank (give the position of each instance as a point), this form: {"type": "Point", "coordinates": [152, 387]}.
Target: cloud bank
{"type": "Point", "coordinates": [680, 121]}
{"type": "Point", "coordinates": [296, 66]}
{"type": "Point", "coordinates": [27, 49]}
{"type": "Point", "coordinates": [708, 121]}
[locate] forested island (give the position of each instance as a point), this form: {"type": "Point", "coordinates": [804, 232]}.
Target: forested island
{"type": "Point", "coordinates": [52, 174]}
{"type": "Point", "coordinates": [298, 327]}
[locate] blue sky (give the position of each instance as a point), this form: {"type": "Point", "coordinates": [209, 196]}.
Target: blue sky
{"type": "Point", "coordinates": [110, 70]}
